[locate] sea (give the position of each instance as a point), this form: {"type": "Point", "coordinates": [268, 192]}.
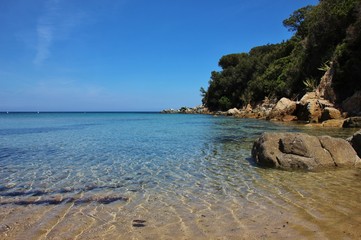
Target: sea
{"type": "Point", "coordinates": [125, 175]}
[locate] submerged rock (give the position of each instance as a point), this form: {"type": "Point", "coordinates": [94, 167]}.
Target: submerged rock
{"type": "Point", "coordinates": [301, 151]}
{"type": "Point", "coordinates": [333, 123]}
{"type": "Point", "coordinates": [352, 122]}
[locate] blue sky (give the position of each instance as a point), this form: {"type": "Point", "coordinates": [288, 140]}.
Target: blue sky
{"type": "Point", "coordinates": [125, 55]}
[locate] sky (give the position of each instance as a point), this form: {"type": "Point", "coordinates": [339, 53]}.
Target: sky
{"type": "Point", "coordinates": [125, 55]}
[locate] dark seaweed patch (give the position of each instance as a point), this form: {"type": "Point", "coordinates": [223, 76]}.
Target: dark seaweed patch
{"type": "Point", "coordinates": [57, 201]}
{"type": "Point", "coordinates": [102, 200]}
{"type": "Point", "coordinates": [4, 193]}
{"type": "Point", "coordinates": [139, 223]}
{"type": "Point", "coordinates": [23, 193]}
{"type": "Point", "coordinates": [22, 131]}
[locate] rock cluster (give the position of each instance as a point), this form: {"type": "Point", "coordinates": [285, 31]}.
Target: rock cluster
{"type": "Point", "coordinates": [316, 108]}
{"type": "Point", "coordinates": [310, 109]}
{"type": "Point", "coordinates": [260, 111]}
{"type": "Point", "coordinates": [290, 151]}
{"type": "Point", "coordinates": [187, 110]}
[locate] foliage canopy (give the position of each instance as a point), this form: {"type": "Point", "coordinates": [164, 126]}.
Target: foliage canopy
{"type": "Point", "coordinates": [325, 33]}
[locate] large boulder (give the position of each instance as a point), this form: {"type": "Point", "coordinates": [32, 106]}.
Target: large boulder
{"type": "Point", "coordinates": [355, 141]}
{"type": "Point", "coordinates": [308, 96]}
{"type": "Point", "coordinates": [301, 151]}
{"type": "Point", "coordinates": [233, 112]}
{"type": "Point", "coordinates": [352, 104]}
{"type": "Point", "coordinates": [330, 113]}
{"type": "Point", "coordinates": [311, 111]}
{"type": "Point", "coordinates": [283, 108]}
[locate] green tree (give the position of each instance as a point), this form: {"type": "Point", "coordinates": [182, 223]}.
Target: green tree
{"type": "Point", "coordinates": [295, 22]}
{"type": "Point", "coordinates": [329, 31]}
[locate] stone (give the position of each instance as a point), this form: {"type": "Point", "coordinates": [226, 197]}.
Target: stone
{"type": "Point", "coordinates": [283, 107]}
{"type": "Point", "coordinates": [333, 123]}
{"type": "Point", "coordinates": [310, 108]}
{"type": "Point", "coordinates": [324, 89]}
{"type": "Point", "coordinates": [186, 110]}
{"type": "Point", "coordinates": [307, 96]}
{"type": "Point", "coordinates": [340, 150]}
{"type": "Point", "coordinates": [355, 141]}
{"type": "Point", "coordinates": [290, 151]}
{"type": "Point", "coordinates": [330, 113]}
{"type": "Point", "coordinates": [311, 111]}
{"type": "Point", "coordinates": [325, 103]}
{"type": "Point", "coordinates": [352, 122]}
{"type": "Point", "coordinates": [233, 112]}
{"type": "Point", "coordinates": [352, 105]}
{"type": "Point", "coordinates": [289, 118]}
{"type": "Point", "coordinates": [248, 108]}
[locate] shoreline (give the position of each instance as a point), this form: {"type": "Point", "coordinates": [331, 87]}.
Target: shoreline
{"type": "Point", "coordinates": [311, 110]}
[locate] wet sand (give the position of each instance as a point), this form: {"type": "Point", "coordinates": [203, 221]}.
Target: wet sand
{"type": "Point", "coordinates": [273, 205]}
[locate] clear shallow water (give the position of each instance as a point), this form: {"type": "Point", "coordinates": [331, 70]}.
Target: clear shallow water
{"type": "Point", "coordinates": [147, 175]}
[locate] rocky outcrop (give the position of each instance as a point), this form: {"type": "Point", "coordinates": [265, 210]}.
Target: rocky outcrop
{"type": "Point", "coordinates": [301, 151]}
{"type": "Point", "coordinates": [355, 141]}
{"type": "Point", "coordinates": [324, 89]}
{"type": "Point", "coordinates": [352, 105]}
{"type": "Point", "coordinates": [313, 109]}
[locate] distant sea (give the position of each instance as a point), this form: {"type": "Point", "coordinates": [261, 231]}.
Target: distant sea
{"type": "Point", "coordinates": [151, 175]}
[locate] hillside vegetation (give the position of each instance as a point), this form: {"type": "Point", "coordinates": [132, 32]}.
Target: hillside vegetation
{"type": "Point", "coordinates": [326, 35]}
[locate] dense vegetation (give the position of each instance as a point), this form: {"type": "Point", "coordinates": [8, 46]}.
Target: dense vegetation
{"type": "Point", "coordinates": [326, 34]}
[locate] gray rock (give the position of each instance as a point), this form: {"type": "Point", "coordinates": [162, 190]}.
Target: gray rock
{"type": "Point", "coordinates": [301, 151]}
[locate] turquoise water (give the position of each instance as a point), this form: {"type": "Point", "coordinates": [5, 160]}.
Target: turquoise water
{"type": "Point", "coordinates": [191, 175]}
{"type": "Point", "coordinates": [53, 153]}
